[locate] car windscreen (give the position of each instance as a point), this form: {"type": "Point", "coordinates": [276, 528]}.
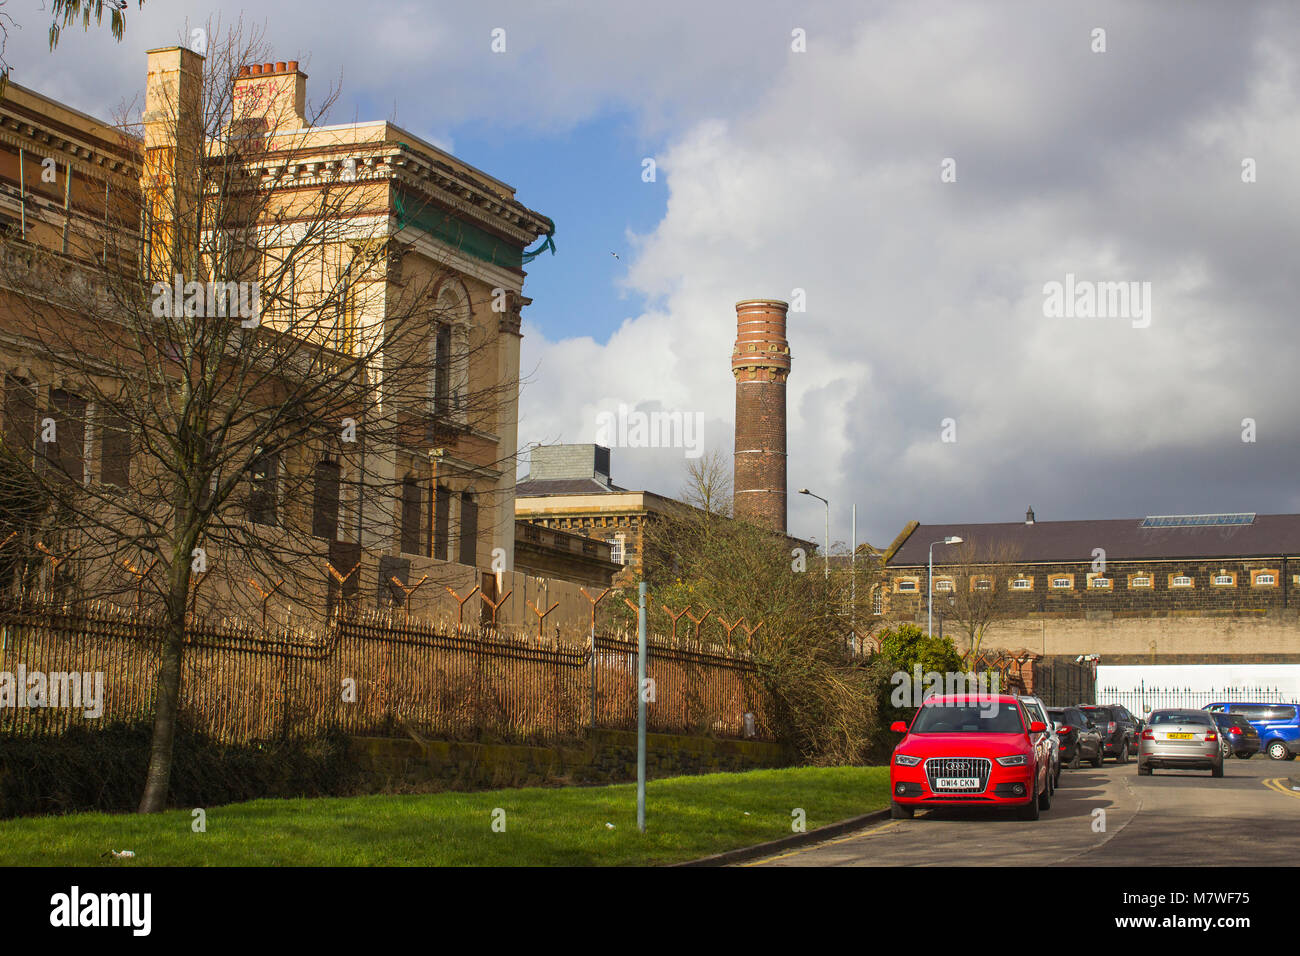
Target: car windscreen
{"type": "Point", "coordinates": [1177, 717]}
{"type": "Point", "coordinates": [988, 718]}
{"type": "Point", "coordinates": [1060, 716]}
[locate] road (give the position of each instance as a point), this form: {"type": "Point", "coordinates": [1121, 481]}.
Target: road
{"type": "Point", "coordinates": [1250, 816]}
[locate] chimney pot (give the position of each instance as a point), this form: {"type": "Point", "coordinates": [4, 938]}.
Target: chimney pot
{"type": "Point", "coordinates": [255, 69]}
{"type": "Point", "coordinates": [243, 70]}
{"type": "Point", "coordinates": [279, 66]}
{"type": "Point", "coordinates": [293, 66]}
{"type": "Point", "coordinates": [1029, 515]}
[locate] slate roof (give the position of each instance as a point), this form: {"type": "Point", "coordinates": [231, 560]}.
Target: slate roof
{"type": "Point", "coordinates": [540, 487]}
{"type": "Point", "coordinates": [1122, 538]}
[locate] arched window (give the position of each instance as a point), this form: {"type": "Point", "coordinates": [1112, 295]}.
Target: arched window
{"type": "Point", "coordinates": [325, 501]}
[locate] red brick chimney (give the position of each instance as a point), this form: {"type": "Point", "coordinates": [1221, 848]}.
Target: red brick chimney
{"type": "Point", "coordinates": [760, 362]}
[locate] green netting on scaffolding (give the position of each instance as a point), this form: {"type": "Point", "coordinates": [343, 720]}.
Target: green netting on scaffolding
{"type": "Point", "coordinates": [464, 236]}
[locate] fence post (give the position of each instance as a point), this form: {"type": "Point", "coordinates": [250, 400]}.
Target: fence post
{"type": "Point", "coordinates": [640, 709]}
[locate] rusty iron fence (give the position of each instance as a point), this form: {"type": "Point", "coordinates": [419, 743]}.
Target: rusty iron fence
{"type": "Point", "coordinates": [366, 675]}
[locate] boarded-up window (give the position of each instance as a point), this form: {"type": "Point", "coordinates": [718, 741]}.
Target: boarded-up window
{"type": "Point", "coordinates": [325, 501]}
{"type": "Point", "coordinates": [442, 371]}
{"type": "Point", "coordinates": [468, 530]}
{"type": "Point", "coordinates": [262, 497]}
{"type": "Point", "coordinates": [20, 417]}
{"type": "Point", "coordinates": [66, 454]}
{"type": "Point", "coordinates": [390, 595]}
{"type": "Point", "coordinates": [115, 452]}
{"type": "Point", "coordinates": [412, 513]}
{"type": "Point", "coordinates": [441, 521]}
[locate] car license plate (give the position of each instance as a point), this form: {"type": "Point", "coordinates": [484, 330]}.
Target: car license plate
{"type": "Point", "coordinates": [1179, 736]}
{"type": "Point", "coordinates": [957, 783]}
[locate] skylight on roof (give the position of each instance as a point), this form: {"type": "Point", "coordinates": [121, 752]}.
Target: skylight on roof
{"type": "Point", "coordinates": [1197, 521]}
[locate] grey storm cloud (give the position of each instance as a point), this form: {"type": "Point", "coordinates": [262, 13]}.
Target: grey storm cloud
{"type": "Point", "coordinates": [821, 171]}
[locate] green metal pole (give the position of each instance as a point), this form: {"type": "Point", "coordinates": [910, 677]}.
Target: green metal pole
{"type": "Point", "coordinates": [640, 709]}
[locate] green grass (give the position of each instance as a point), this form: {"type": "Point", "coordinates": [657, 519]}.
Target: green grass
{"type": "Point", "coordinates": [686, 818]}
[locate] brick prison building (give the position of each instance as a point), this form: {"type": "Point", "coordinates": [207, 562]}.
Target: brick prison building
{"type": "Point", "coordinates": [1215, 592]}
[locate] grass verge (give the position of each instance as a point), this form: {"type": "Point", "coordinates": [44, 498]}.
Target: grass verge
{"type": "Point", "coordinates": [687, 818]}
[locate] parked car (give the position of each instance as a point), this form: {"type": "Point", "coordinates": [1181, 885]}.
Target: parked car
{"type": "Point", "coordinates": [1278, 725]}
{"type": "Point", "coordinates": [1237, 737]}
{"type": "Point", "coordinates": [1080, 739]}
{"type": "Point", "coordinates": [1119, 729]}
{"type": "Point", "coordinates": [1180, 739]}
{"type": "Point", "coordinates": [1037, 711]}
{"type": "Point", "coordinates": [971, 751]}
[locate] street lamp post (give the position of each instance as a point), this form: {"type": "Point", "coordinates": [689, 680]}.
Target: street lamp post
{"type": "Point", "coordinates": [826, 546]}
{"type": "Point", "coordinates": [929, 584]}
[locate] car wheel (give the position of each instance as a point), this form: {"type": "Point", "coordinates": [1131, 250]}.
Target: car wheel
{"type": "Point", "coordinates": [1045, 798]}
{"type": "Point", "coordinates": [1144, 769]}
{"type": "Point", "coordinates": [1277, 750]}
{"type": "Point", "coordinates": [1031, 810]}
{"type": "Point", "coordinates": [1217, 769]}
{"type": "Point", "coordinates": [1056, 779]}
{"type": "Point", "coordinates": [1074, 761]}
{"type": "Point", "coordinates": [1122, 756]}
{"type": "Point", "coordinates": [1096, 761]}
{"type": "Point", "coordinates": [1245, 755]}
{"type": "Point", "coordinates": [897, 812]}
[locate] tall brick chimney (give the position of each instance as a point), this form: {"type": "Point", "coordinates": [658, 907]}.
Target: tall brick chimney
{"type": "Point", "coordinates": [173, 146]}
{"type": "Point", "coordinates": [761, 364]}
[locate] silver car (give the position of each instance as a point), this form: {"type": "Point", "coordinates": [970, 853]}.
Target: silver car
{"type": "Point", "coordinates": [1182, 740]}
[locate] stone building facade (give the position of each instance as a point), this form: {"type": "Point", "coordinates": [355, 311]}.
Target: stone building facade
{"type": "Point", "coordinates": [440, 500]}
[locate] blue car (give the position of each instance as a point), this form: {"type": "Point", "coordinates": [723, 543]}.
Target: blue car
{"type": "Point", "coordinates": [1278, 725]}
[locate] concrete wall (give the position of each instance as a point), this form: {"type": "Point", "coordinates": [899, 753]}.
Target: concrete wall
{"type": "Point", "coordinates": [1176, 638]}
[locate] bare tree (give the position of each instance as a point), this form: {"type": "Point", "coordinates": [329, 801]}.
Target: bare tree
{"type": "Point", "coordinates": [754, 591]}
{"type": "Point", "coordinates": [979, 597]}
{"type": "Point", "coordinates": [708, 484]}
{"type": "Point", "coordinates": [256, 351]}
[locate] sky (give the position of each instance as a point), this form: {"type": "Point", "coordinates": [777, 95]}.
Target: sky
{"type": "Point", "coordinates": [920, 174]}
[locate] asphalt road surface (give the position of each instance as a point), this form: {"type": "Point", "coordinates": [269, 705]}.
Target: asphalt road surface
{"type": "Point", "coordinates": [1250, 816]}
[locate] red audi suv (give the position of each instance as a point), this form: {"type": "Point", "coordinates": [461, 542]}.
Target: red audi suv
{"type": "Point", "coordinates": [968, 750]}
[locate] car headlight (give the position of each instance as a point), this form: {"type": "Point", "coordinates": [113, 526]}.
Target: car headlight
{"type": "Point", "coordinates": [1015, 760]}
{"type": "Point", "coordinates": [903, 760]}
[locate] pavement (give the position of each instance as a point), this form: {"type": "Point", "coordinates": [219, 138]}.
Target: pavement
{"type": "Point", "coordinates": [1108, 816]}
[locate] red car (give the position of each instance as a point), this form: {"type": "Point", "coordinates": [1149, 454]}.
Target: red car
{"type": "Point", "coordinates": [971, 751]}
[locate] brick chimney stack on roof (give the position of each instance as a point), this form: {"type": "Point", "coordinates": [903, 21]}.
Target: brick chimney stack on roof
{"type": "Point", "coordinates": [173, 146]}
{"type": "Point", "coordinates": [273, 95]}
{"type": "Point", "coordinates": [760, 363]}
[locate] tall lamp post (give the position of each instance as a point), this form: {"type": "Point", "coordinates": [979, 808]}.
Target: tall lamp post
{"type": "Point", "coordinates": [826, 547]}
{"type": "Point", "coordinates": [929, 584]}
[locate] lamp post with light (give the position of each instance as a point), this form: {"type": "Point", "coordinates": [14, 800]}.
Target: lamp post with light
{"type": "Point", "coordinates": [826, 547]}
{"type": "Point", "coordinates": [929, 584]}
